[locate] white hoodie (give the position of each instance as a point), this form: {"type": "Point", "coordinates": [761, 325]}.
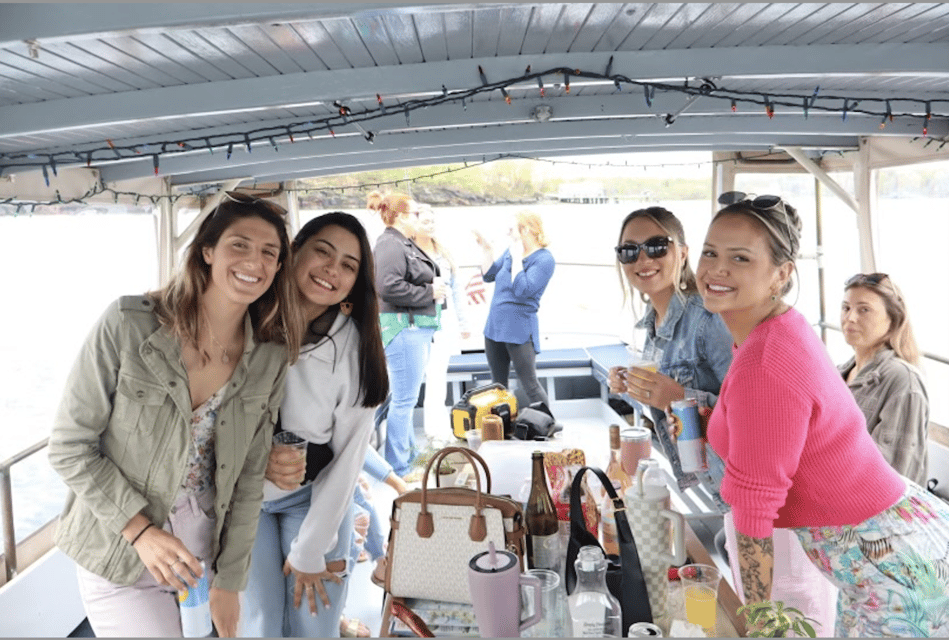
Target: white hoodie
{"type": "Point", "coordinates": [323, 404]}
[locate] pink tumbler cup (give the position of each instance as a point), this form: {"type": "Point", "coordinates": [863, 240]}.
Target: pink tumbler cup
{"type": "Point", "coordinates": [495, 579]}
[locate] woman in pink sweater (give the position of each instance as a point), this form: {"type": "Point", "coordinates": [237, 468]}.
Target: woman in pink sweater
{"type": "Point", "coordinates": [796, 447]}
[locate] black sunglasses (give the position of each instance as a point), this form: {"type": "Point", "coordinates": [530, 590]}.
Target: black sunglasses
{"type": "Point", "coordinates": [654, 247]}
{"type": "Point", "coordinates": [866, 278]}
{"type": "Point", "coordinates": [763, 203]}
{"type": "Point", "coordinates": [245, 198]}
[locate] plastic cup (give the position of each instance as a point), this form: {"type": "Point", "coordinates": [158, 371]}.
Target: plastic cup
{"type": "Point", "coordinates": [553, 606]}
{"type": "Point", "coordinates": [700, 590]}
{"type": "Point", "coordinates": [473, 436]}
{"type": "Point", "coordinates": [635, 444]}
{"type": "Point", "coordinates": [288, 439]}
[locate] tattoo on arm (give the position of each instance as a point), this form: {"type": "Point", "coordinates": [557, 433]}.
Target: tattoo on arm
{"type": "Point", "coordinates": [756, 562]}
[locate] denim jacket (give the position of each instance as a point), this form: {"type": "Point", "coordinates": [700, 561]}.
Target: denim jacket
{"type": "Point", "coordinates": [121, 435]}
{"type": "Point", "coordinates": [693, 347]}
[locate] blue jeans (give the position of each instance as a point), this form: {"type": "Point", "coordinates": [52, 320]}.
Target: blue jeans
{"type": "Point", "coordinates": [375, 541]}
{"type": "Point", "coordinates": [267, 609]}
{"type": "Point", "coordinates": [406, 357]}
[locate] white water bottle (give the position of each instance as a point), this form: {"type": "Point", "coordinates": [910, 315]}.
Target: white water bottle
{"type": "Point", "coordinates": [594, 612]}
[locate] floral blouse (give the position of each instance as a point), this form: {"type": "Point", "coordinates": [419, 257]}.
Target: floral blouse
{"type": "Point", "coordinates": [201, 459]}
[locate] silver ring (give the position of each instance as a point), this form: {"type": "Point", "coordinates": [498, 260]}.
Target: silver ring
{"type": "Point", "coordinates": [308, 587]}
{"type": "Point", "coordinates": [649, 394]}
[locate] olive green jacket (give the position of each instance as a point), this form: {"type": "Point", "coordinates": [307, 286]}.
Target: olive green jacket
{"type": "Point", "coordinates": [121, 435]}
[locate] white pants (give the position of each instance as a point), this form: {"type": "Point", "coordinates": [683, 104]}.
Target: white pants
{"type": "Point", "coordinates": [797, 582]}
{"type": "Point", "coordinates": [146, 609]}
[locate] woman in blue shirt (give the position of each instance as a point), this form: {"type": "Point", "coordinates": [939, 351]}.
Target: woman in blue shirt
{"type": "Point", "coordinates": [521, 274]}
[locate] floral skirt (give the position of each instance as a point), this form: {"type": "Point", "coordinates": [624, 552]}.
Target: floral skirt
{"type": "Point", "coordinates": [892, 569]}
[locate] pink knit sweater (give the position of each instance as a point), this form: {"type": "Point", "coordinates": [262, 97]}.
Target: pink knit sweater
{"type": "Point", "coordinates": [795, 444]}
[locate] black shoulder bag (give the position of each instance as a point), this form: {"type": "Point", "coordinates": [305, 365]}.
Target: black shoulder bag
{"type": "Point", "coordinates": [623, 578]}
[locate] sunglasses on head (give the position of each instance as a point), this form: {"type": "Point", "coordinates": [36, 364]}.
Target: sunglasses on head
{"type": "Point", "coordinates": [866, 278]}
{"type": "Point", "coordinates": [654, 247]}
{"type": "Point", "coordinates": [245, 198]}
{"type": "Point", "coordinates": [762, 203]}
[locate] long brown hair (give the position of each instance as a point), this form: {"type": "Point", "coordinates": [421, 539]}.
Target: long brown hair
{"type": "Point", "coordinates": [275, 315]}
{"type": "Point", "coordinates": [373, 376]}
{"type": "Point", "coordinates": [670, 224]}
{"type": "Point", "coordinates": [900, 338]}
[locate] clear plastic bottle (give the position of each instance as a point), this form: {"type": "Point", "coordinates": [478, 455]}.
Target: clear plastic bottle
{"type": "Point", "coordinates": [594, 611]}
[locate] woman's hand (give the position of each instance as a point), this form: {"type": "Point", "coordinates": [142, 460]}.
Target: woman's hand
{"type": "Point", "coordinates": [225, 611]}
{"type": "Point", "coordinates": [617, 379]}
{"type": "Point", "coordinates": [286, 468]}
{"type": "Point", "coordinates": [654, 389]}
{"type": "Point", "coordinates": [312, 583]}
{"type": "Point", "coordinates": [674, 425]}
{"type": "Point", "coordinates": [165, 556]}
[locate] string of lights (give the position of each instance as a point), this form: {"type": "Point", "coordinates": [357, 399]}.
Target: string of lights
{"type": "Point", "coordinates": [772, 103]}
{"type": "Point", "coordinates": [21, 205]}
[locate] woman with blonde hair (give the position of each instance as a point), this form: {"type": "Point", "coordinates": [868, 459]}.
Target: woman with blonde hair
{"type": "Point", "coordinates": [454, 325]}
{"type": "Point", "coordinates": [883, 374]}
{"type": "Point", "coordinates": [164, 429]}
{"type": "Point", "coordinates": [521, 275]}
{"type": "Point", "coordinates": [409, 288]}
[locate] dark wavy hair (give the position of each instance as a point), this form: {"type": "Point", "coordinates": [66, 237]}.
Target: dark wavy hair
{"type": "Point", "coordinates": [373, 376]}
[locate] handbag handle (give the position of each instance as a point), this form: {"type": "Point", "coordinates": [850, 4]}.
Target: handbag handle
{"type": "Point", "coordinates": [478, 527]}
{"type": "Point", "coordinates": [634, 599]}
{"type": "Point", "coordinates": [402, 611]}
{"type": "Point", "coordinates": [472, 458]}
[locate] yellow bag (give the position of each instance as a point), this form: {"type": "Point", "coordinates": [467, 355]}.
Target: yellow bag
{"type": "Point", "coordinates": [479, 402]}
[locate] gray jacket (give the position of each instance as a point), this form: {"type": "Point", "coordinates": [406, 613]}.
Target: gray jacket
{"type": "Point", "coordinates": [121, 435]}
{"type": "Point", "coordinates": [892, 396]}
{"type": "Point", "coordinates": [404, 275]}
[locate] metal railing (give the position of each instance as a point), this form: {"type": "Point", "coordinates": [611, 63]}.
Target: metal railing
{"type": "Point", "coordinates": [6, 505]}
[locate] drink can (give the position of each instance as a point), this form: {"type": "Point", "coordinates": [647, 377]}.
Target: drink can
{"type": "Point", "coordinates": [644, 630]}
{"type": "Point", "coordinates": [195, 608]}
{"type": "Point", "coordinates": [689, 440]}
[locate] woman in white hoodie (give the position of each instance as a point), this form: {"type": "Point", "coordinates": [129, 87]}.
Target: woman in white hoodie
{"type": "Point", "coordinates": [301, 555]}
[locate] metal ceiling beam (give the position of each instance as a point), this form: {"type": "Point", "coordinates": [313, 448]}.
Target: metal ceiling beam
{"type": "Point", "coordinates": [230, 96]}
{"type": "Point", "coordinates": [747, 129]}
{"type": "Point", "coordinates": [61, 20]}
{"type": "Point", "coordinates": [605, 105]}
{"type": "Point", "coordinates": [473, 151]}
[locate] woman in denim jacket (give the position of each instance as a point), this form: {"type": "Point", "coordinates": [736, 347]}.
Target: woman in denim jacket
{"type": "Point", "coordinates": [165, 424]}
{"type": "Point", "coordinates": [693, 347]}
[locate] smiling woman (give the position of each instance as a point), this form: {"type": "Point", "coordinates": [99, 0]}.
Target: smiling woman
{"type": "Point", "coordinates": [799, 458]}
{"type": "Point", "coordinates": [138, 466]}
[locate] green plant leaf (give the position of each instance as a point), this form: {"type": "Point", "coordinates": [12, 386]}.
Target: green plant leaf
{"type": "Point", "coordinates": [808, 629]}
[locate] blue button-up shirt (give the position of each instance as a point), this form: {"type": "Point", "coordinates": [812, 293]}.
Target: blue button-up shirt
{"type": "Point", "coordinates": [513, 314]}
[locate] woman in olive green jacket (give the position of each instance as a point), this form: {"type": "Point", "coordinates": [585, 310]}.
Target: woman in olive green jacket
{"type": "Point", "coordinates": [164, 429]}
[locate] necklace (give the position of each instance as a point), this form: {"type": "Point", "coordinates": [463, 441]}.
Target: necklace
{"type": "Point", "coordinates": [225, 359]}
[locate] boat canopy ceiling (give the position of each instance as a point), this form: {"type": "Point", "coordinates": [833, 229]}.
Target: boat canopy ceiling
{"type": "Point", "coordinates": [209, 93]}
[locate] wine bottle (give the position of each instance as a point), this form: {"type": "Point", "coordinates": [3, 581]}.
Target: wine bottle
{"type": "Point", "coordinates": [614, 471]}
{"type": "Point", "coordinates": [543, 538]}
